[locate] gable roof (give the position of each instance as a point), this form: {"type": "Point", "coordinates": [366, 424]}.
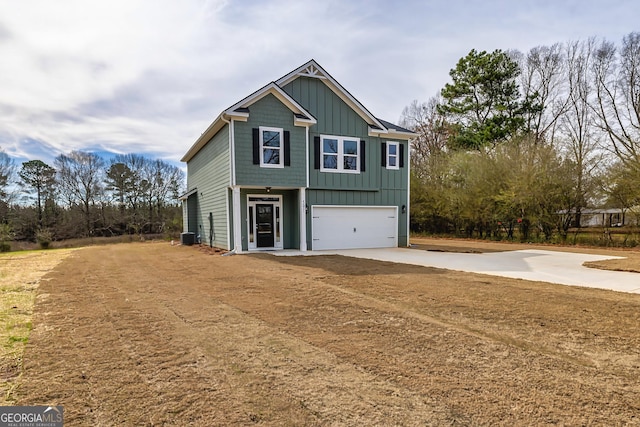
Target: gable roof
{"type": "Point", "coordinates": [240, 110]}
{"type": "Point", "coordinates": [313, 70]}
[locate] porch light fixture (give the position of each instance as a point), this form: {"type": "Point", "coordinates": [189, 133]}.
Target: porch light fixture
{"type": "Point", "coordinates": [268, 189]}
{"type": "Point", "coordinates": [404, 209]}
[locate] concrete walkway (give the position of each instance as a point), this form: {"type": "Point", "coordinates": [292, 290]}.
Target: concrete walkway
{"type": "Point", "coordinates": [547, 266]}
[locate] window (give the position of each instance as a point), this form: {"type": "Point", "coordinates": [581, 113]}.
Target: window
{"type": "Point", "coordinates": [392, 155]}
{"type": "Point", "coordinates": [340, 154]}
{"type": "Point", "coordinates": [271, 147]}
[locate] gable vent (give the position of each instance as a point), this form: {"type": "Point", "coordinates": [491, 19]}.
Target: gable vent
{"type": "Point", "coordinates": [312, 71]}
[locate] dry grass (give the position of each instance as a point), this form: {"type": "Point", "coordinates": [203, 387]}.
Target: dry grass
{"type": "Point", "coordinates": [154, 334]}
{"type": "Point", "coordinates": [20, 275]}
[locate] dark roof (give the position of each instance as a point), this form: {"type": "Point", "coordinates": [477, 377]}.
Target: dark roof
{"type": "Point", "coordinates": [390, 125]}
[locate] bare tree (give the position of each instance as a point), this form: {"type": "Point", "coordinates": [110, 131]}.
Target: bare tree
{"type": "Point", "coordinates": [542, 82]}
{"type": "Point", "coordinates": [7, 171]}
{"type": "Point", "coordinates": [431, 127]}
{"type": "Point", "coordinates": [80, 181]}
{"type": "Point", "coordinates": [577, 129]}
{"type": "Point", "coordinates": [617, 82]}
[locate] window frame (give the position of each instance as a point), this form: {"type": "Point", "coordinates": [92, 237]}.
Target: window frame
{"type": "Point", "coordinates": [395, 156]}
{"type": "Point", "coordinates": [340, 155]}
{"type": "Point", "coordinates": [280, 148]}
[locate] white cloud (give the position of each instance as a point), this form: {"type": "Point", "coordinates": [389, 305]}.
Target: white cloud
{"type": "Point", "coordinates": [148, 76]}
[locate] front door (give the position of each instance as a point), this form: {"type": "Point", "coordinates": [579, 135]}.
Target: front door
{"type": "Point", "coordinates": [264, 221]}
{"type": "Point", "coordinates": [265, 226]}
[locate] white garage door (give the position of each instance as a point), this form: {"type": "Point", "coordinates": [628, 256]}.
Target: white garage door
{"type": "Point", "coordinates": [351, 227]}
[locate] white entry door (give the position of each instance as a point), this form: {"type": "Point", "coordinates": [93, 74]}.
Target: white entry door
{"type": "Point", "coordinates": [351, 227]}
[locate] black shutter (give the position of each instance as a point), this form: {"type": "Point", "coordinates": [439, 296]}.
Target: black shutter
{"type": "Point", "coordinates": [383, 155]}
{"type": "Point", "coordinates": [287, 148]}
{"type": "Point", "coordinates": [363, 158]}
{"type": "Point", "coordinates": [316, 152]}
{"type": "Point", "coordinates": [401, 155]}
{"type": "Point", "coordinates": [256, 146]}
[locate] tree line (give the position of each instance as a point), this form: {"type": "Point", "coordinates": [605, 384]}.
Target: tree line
{"type": "Point", "coordinates": [527, 141]}
{"type": "Point", "coordinates": [83, 195]}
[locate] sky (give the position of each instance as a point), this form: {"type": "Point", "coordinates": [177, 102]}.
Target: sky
{"type": "Point", "coordinates": [149, 76]}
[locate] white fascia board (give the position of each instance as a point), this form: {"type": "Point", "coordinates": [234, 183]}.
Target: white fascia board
{"type": "Point", "coordinates": [271, 89]}
{"type": "Point", "coordinates": [304, 122]}
{"type": "Point", "coordinates": [400, 135]}
{"type": "Point", "coordinates": [391, 133]}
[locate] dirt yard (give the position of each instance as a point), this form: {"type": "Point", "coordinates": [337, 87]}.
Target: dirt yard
{"type": "Point", "coordinates": [152, 334]}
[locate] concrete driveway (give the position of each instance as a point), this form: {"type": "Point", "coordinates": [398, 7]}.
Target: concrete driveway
{"type": "Point", "coordinates": [547, 266]}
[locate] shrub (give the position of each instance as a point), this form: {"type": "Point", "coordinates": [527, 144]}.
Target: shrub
{"type": "Point", "coordinates": [6, 235]}
{"type": "Point", "coordinates": [44, 238]}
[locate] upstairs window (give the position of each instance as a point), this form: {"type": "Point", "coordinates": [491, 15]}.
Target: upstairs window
{"type": "Point", "coordinates": [271, 143]}
{"type": "Point", "coordinates": [271, 147]}
{"type": "Point", "coordinates": [339, 154]}
{"type": "Point", "coordinates": [392, 155]}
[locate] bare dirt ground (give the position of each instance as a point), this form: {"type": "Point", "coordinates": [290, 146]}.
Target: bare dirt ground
{"type": "Point", "coordinates": [152, 334]}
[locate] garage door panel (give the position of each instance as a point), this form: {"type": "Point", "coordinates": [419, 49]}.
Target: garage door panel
{"type": "Point", "coordinates": [349, 227]}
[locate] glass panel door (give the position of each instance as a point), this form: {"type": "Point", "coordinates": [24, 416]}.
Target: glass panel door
{"type": "Point", "coordinates": [265, 226]}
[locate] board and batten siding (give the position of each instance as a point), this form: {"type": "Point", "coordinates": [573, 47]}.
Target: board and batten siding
{"type": "Point", "coordinates": [376, 185]}
{"type": "Point", "coordinates": [334, 117]}
{"type": "Point", "coordinates": [209, 172]}
{"type": "Point", "coordinates": [270, 112]}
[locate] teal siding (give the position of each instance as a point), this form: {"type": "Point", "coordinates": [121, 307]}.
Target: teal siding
{"type": "Point", "coordinates": [270, 112]}
{"type": "Point", "coordinates": [209, 172]}
{"type": "Point", "coordinates": [335, 117]}
{"type": "Point", "coordinates": [377, 185]}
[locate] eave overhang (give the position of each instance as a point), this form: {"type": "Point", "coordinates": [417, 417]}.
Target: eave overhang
{"type": "Point", "coordinates": [241, 111]}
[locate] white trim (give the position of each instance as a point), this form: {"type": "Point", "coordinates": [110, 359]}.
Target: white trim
{"type": "Point", "coordinates": [253, 246]}
{"type": "Point", "coordinates": [281, 95]}
{"type": "Point", "coordinates": [232, 147]}
{"type": "Point", "coordinates": [340, 154]}
{"type": "Point", "coordinates": [237, 218]}
{"type": "Point", "coordinates": [303, 218]}
{"type": "Point", "coordinates": [396, 156]}
{"type": "Point", "coordinates": [226, 206]}
{"type": "Point", "coordinates": [280, 148]}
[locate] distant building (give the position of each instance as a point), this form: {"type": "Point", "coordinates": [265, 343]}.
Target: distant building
{"type": "Point", "coordinates": [606, 217]}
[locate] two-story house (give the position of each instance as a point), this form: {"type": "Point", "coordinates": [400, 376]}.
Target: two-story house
{"type": "Point", "coordinates": [299, 164]}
